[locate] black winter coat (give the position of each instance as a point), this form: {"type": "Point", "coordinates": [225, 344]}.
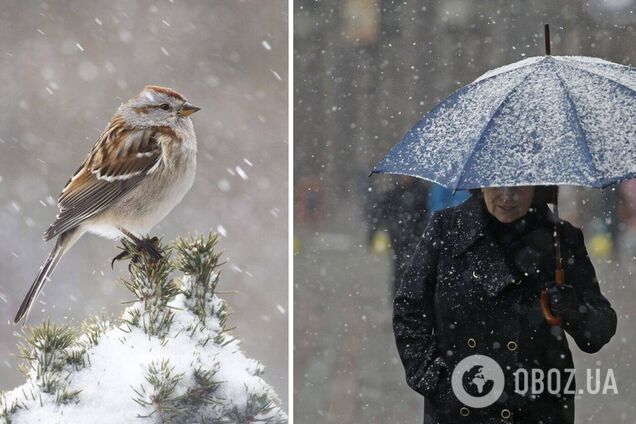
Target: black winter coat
{"type": "Point", "coordinates": [468, 291]}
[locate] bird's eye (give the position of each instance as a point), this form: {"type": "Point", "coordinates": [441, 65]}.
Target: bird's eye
{"type": "Point", "coordinates": [165, 106]}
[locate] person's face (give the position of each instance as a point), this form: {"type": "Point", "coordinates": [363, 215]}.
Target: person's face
{"type": "Point", "coordinates": [508, 204]}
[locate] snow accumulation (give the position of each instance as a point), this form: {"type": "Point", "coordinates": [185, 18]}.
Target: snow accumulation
{"type": "Point", "coordinates": [193, 372]}
{"type": "Point", "coordinates": [540, 121]}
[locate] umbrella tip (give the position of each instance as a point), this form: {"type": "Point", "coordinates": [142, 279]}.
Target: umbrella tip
{"type": "Point", "coordinates": [547, 39]}
{"type": "Point", "coordinates": [370, 173]}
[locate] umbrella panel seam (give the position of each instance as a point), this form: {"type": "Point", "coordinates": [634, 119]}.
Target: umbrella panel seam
{"type": "Point", "coordinates": [599, 76]}
{"type": "Point", "coordinates": [579, 127]}
{"type": "Point", "coordinates": [488, 125]}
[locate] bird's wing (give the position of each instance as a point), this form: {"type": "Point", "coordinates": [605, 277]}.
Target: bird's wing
{"type": "Point", "coordinates": [120, 159]}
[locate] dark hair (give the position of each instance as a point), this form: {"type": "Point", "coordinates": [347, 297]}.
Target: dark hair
{"type": "Point", "coordinates": [542, 194]}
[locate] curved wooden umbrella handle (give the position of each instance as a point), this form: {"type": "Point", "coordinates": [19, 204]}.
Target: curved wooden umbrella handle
{"type": "Point", "coordinates": [545, 308]}
{"type": "Point", "coordinates": [545, 305]}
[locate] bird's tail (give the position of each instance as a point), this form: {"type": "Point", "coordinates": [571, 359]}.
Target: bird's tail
{"type": "Point", "coordinates": [63, 243]}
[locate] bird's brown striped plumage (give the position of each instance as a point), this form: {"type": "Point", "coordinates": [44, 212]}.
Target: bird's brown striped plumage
{"type": "Point", "coordinates": [118, 161]}
{"type": "Point", "coordinates": [167, 91]}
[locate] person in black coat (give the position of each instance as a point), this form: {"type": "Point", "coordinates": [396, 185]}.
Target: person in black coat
{"type": "Point", "coordinates": [473, 288]}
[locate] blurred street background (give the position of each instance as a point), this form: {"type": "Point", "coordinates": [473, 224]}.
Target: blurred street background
{"type": "Point", "coordinates": [365, 71]}
{"type": "Point", "coordinates": [65, 68]}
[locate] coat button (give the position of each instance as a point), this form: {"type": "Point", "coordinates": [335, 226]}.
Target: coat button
{"type": "Point", "coordinates": [463, 411]}
{"type": "Point", "coordinates": [472, 343]}
{"type": "Point", "coordinates": [505, 414]}
{"type": "Point", "coordinates": [512, 345]}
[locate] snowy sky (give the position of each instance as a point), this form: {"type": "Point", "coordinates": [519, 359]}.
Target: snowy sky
{"type": "Point", "coordinates": [66, 67]}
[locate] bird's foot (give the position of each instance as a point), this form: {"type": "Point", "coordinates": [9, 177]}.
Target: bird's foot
{"type": "Point", "coordinates": [123, 255]}
{"type": "Point", "coordinates": [149, 246]}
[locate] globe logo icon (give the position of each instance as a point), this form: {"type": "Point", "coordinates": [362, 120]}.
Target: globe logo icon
{"type": "Point", "coordinates": [478, 381]}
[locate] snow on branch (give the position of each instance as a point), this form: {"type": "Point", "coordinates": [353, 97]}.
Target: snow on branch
{"type": "Point", "coordinates": [171, 358]}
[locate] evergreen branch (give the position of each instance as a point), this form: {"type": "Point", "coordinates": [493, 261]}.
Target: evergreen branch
{"type": "Point", "coordinates": [94, 327]}
{"type": "Point", "coordinates": [205, 387]}
{"type": "Point", "coordinates": [150, 284]}
{"type": "Point", "coordinates": [197, 259]}
{"type": "Point", "coordinates": [258, 409]}
{"type": "Point", "coordinates": [8, 408]}
{"type": "Point", "coordinates": [43, 347]}
{"type": "Point", "coordinates": [52, 354]}
{"type": "Point", "coordinates": [161, 397]}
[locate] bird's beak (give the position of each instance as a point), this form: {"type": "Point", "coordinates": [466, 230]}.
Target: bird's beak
{"type": "Point", "coordinates": [187, 109]}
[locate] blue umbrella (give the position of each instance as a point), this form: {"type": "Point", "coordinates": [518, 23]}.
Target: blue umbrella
{"type": "Point", "coordinates": [546, 120]}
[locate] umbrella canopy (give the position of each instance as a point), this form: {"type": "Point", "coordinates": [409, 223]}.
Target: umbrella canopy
{"type": "Point", "coordinates": [546, 120]}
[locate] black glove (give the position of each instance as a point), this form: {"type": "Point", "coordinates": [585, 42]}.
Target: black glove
{"type": "Point", "coordinates": [562, 298]}
{"type": "Point", "coordinates": [434, 374]}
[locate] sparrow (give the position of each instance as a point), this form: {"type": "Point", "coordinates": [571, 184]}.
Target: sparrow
{"type": "Point", "coordinates": [139, 169]}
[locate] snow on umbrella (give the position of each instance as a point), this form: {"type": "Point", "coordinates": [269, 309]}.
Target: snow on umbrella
{"type": "Point", "coordinates": [546, 120]}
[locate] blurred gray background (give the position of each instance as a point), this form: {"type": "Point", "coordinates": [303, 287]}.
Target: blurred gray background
{"type": "Point", "coordinates": [365, 71]}
{"type": "Point", "coordinates": [65, 66]}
